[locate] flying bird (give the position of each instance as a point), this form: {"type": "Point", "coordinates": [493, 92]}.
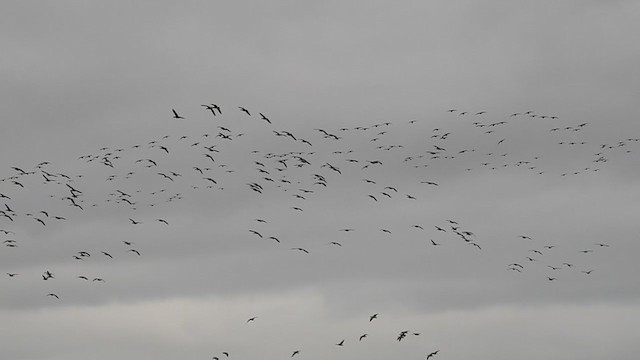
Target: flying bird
{"type": "Point", "coordinates": [265, 118]}
{"type": "Point", "coordinates": [175, 115]}
{"type": "Point", "coordinates": [244, 110]}
{"type": "Point", "coordinates": [432, 354]}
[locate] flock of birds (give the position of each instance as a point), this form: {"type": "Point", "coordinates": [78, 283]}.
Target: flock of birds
{"type": "Point", "coordinates": [301, 167]}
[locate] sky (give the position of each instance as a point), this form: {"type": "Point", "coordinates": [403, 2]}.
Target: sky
{"type": "Point", "coordinates": [466, 170]}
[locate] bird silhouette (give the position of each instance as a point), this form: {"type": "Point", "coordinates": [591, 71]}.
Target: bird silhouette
{"type": "Point", "coordinates": [432, 354]}
{"type": "Point", "coordinates": [244, 110]}
{"type": "Point", "coordinates": [175, 114]}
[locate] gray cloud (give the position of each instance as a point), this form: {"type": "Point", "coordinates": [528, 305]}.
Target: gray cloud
{"type": "Point", "coordinates": [81, 77]}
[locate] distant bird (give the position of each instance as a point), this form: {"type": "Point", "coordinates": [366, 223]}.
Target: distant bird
{"type": "Point", "coordinates": [402, 335]}
{"type": "Point", "coordinates": [134, 222]}
{"type": "Point", "coordinates": [341, 343]}
{"type": "Point", "coordinates": [296, 352]}
{"type": "Point", "coordinates": [300, 249]}
{"type": "Point", "coordinates": [53, 295]}
{"type": "Point", "coordinates": [432, 354]}
{"type": "Point", "coordinates": [374, 316]}
{"type": "Point", "coordinates": [252, 319]}
{"type": "Point", "coordinates": [265, 118]}
{"type": "Point", "coordinates": [244, 110]}
{"type": "Point", "coordinates": [175, 115]}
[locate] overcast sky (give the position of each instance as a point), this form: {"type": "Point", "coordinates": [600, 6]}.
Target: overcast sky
{"type": "Point", "coordinates": [467, 170]}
